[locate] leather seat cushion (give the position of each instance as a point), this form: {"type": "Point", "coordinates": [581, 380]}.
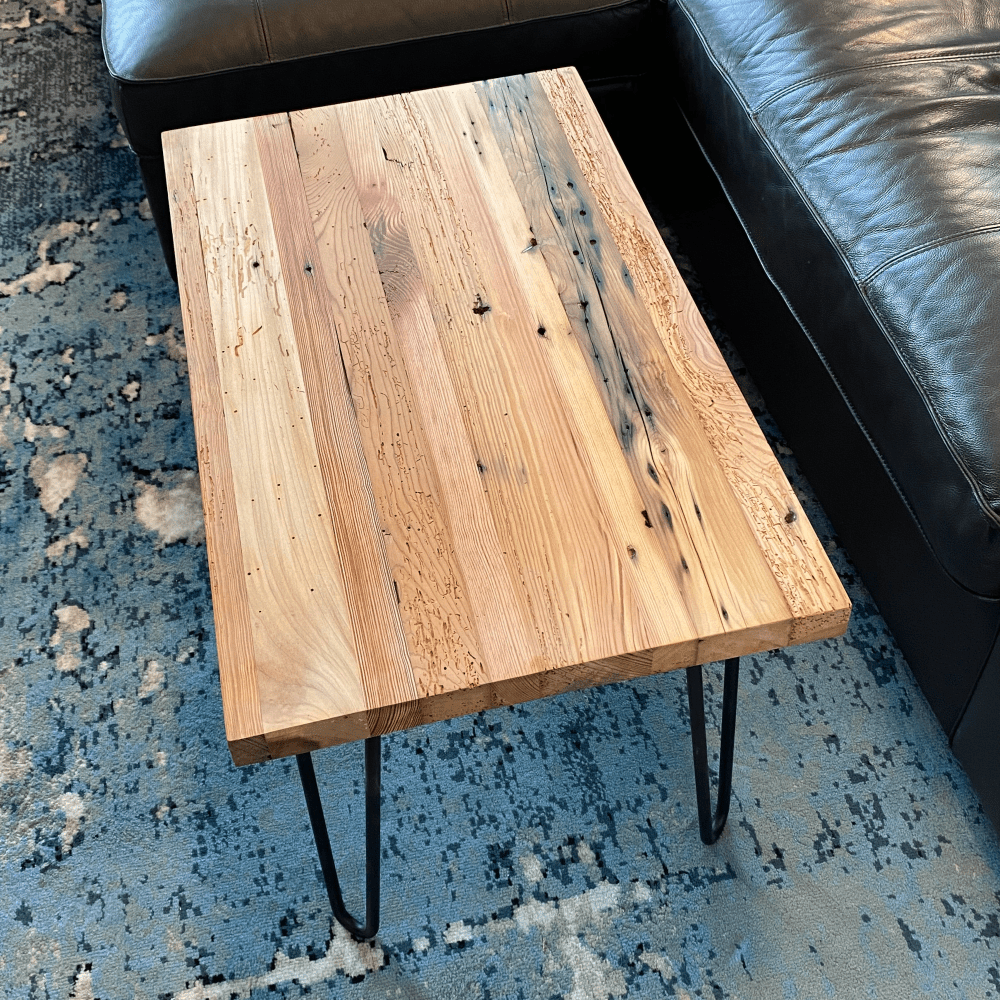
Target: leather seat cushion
{"type": "Point", "coordinates": [176, 63]}
{"type": "Point", "coordinates": [860, 145]}
{"type": "Point", "coordinates": [157, 40]}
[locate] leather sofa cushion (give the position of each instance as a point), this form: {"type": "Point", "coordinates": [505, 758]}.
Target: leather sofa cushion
{"type": "Point", "coordinates": [158, 40]}
{"type": "Point", "coordinates": [861, 147]}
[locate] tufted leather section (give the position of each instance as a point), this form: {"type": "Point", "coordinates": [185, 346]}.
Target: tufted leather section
{"type": "Point", "coordinates": [860, 143]}
{"type": "Point", "coordinates": [156, 40]}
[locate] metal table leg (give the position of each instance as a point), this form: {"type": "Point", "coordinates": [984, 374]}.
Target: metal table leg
{"type": "Point", "coordinates": [712, 827]}
{"type": "Point", "coordinates": [373, 802]}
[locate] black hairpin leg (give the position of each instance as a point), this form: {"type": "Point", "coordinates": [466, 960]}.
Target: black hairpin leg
{"type": "Point", "coordinates": [373, 801]}
{"type": "Point", "coordinates": [711, 826]}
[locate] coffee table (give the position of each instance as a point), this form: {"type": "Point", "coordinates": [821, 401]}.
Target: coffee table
{"type": "Point", "coordinates": [464, 439]}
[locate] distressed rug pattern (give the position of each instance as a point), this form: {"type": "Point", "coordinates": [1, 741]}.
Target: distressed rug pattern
{"type": "Point", "coordinates": [541, 852]}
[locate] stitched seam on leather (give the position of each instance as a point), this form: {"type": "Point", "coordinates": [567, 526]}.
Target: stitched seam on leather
{"type": "Point", "coordinates": [262, 28]}
{"type": "Point", "coordinates": [862, 67]}
{"type": "Point", "coordinates": [876, 315]}
{"type": "Point", "coordinates": [506, 7]}
{"type": "Point", "coordinates": [929, 245]}
{"type": "Point", "coordinates": [723, 72]}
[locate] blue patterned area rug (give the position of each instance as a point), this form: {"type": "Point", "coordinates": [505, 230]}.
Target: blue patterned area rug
{"type": "Point", "coordinates": [541, 852]}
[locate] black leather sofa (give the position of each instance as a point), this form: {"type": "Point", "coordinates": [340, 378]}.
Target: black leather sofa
{"type": "Point", "coordinates": [851, 234]}
{"type": "Point", "coordinates": [858, 146]}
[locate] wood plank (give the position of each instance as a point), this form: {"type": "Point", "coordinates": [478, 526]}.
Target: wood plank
{"type": "Point", "coordinates": [542, 502]}
{"type": "Point", "coordinates": [240, 697]}
{"type": "Point", "coordinates": [290, 564]}
{"type": "Point", "coordinates": [809, 583]}
{"type": "Point", "coordinates": [442, 629]}
{"type": "Point", "coordinates": [383, 662]}
{"type": "Point", "coordinates": [687, 501]}
{"type": "Point", "coordinates": [648, 575]}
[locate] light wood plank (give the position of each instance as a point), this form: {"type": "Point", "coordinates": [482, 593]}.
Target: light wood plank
{"type": "Point", "coordinates": [543, 502]}
{"type": "Point", "coordinates": [383, 661]}
{"type": "Point", "coordinates": [647, 575]}
{"type": "Point", "coordinates": [446, 652]}
{"type": "Point", "coordinates": [240, 694]}
{"type": "Point", "coordinates": [683, 492]}
{"type": "Point", "coordinates": [801, 568]}
{"type": "Point", "coordinates": [291, 566]}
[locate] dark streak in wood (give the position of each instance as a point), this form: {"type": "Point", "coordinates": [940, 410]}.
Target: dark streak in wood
{"type": "Point", "coordinates": [625, 432]}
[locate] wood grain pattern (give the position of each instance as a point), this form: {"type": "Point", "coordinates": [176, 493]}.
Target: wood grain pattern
{"type": "Point", "coordinates": [240, 695]}
{"type": "Point", "coordinates": [809, 583]}
{"type": "Point", "coordinates": [668, 456]}
{"type": "Point", "coordinates": [511, 460]}
{"type": "Point", "coordinates": [520, 432]}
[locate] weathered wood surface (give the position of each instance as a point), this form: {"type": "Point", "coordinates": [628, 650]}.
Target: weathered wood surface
{"type": "Point", "coordinates": [464, 438]}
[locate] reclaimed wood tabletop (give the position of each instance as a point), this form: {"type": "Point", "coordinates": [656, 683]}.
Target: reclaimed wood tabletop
{"type": "Point", "coordinates": [464, 439]}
